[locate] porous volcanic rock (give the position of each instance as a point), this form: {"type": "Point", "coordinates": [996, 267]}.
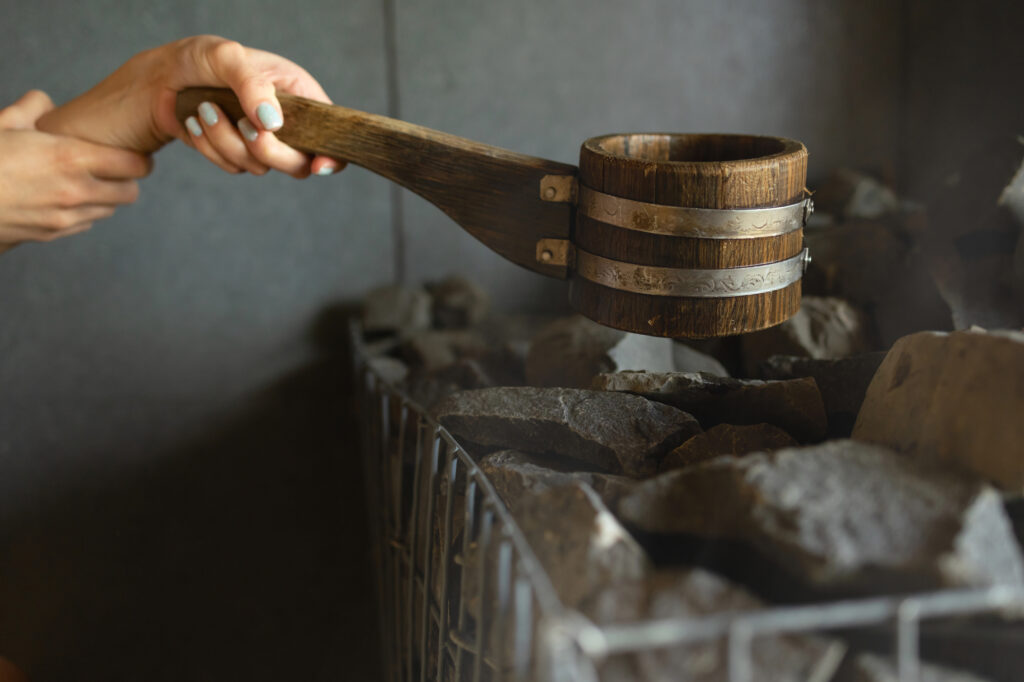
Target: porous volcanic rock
{"type": "Point", "coordinates": [841, 515]}
{"type": "Point", "coordinates": [610, 432]}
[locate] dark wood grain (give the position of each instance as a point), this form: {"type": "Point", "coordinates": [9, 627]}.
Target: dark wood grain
{"type": "Point", "coordinates": [699, 171]}
{"type": "Point", "coordinates": [493, 193]}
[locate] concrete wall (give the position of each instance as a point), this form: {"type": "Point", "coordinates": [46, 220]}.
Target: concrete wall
{"type": "Point", "coordinates": [168, 434]}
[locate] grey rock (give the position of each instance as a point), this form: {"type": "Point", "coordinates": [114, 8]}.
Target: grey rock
{"type": "Point", "coordinates": [434, 349]}
{"type": "Point", "coordinates": [612, 432]}
{"type": "Point", "coordinates": [858, 261]}
{"type": "Point", "coordinates": [843, 383]}
{"type": "Point", "coordinates": [696, 593]}
{"type": "Point", "coordinates": [969, 243]}
{"type": "Point", "coordinates": [851, 194]}
{"type": "Point", "coordinates": [727, 439]}
{"type": "Point", "coordinates": [391, 370]}
{"type": "Point", "coordinates": [954, 398]}
{"type": "Point", "coordinates": [570, 351]}
{"type": "Point", "coordinates": [795, 405]}
{"type": "Point", "coordinates": [872, 668]}
{"type": "Point", "coordinates": [578, 541]}
{"type": "Point", "coordinates": [396, 309]}
{"type": "Point", "coordinates": [515, 475]}
{"type": "Point", "coordinates": [579, 544]}
{"type": "Point", "coordinates": [688, 359]}
{"type": "Point", "coordinates": [427, 388]}
{"type": "Point", "coordinates": [458, 303]}
{"type": "Point", "coordinates": [842, 516]}
{"type": "Point", "coordinates": [824, 327]}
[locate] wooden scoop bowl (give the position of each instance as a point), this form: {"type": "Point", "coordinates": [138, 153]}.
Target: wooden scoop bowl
{"type": "Point", "coordinates": [659, 233]}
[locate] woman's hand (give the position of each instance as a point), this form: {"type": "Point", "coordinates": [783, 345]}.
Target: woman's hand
{"type": "Point", "coordinates": [53, 186]}
{"type": "Point", "coordinates": [133, 108]}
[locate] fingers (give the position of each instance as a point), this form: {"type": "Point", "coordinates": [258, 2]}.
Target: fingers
{"type": "Point", "coordinates": [230, 64]}
{"type": "Point", "coordinates": [226, 139]}
{"type": "Point", "coordinates": [57, 224]}
{"type": "Point", "coordinates": [23, 114]}
{"type": "Point", "coordinates": [202, 144]}
{"type": "Point", "coordinates": [272, 152]}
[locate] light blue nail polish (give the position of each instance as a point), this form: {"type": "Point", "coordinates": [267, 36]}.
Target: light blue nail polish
{"type": "Point", "coordinates": [248, 130]}
{"type": "Point", "coordinates": [326, 170]}
{"type": "Point", "coordinates": [268, 116]}
{"type": "Point", "coordinates": [208, 113]}
{"type": "Point", "coordinates": [193, 126]}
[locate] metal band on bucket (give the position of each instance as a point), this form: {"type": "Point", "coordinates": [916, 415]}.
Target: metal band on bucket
{"type": "Point", "coordinates": [691, 283]}
{"type": "Point", "coordinates": [700, 223]}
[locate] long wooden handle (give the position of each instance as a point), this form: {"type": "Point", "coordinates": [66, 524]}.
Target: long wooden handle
{"type": "Point", "coordinates": [509, 201]}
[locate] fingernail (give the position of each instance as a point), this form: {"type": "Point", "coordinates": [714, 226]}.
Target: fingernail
{"type": "Point", "coordinates": [193, 126]}
{"type": "Point", "coordinates": [268, 116]}
{"type": "Point", "coordinates": [248, 130]}
{"type": "Point", "coordinates": [326, 170]}
{"type": "Point", "coordinates": [208, 113]}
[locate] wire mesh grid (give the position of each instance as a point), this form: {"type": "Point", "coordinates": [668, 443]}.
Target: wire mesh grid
{"type": "Point", "coordinates": [463, 597]}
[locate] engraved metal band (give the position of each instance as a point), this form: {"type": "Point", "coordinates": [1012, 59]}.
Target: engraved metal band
{"type": "Point", "coordinates": [702, 223]}
{"type": "Point", "coordinates": [658, 281]}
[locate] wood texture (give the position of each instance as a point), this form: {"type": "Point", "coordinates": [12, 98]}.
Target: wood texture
{"type": "Point", "coordinates": [700, 171]}
{"type": "Point", "coordinates": [491, 192]}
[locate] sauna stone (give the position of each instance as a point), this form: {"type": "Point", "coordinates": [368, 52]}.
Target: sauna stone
{"type": "Point", "coordinates": [849, 194]}
{"type": "Point", "coordinates": [687, 359]}
{"type": "Point", "coordinates": [515, 475]}
{"type": "Point", "coordinates": [841, 516]}
{"type": "Point", "coordinates": [397, 309]}
{"type": "Point", "coordinates": [696, 593]}
{"type": "Point", "coordinates": [871, 668]}
{"type": "Point", "coordinates": [570, 351]}
{"type": "Point", "coordinates": [793, 405]}
{"type": "Point", "coordinates": [824, 327]}
{"type": "Point", "coordinates": [438, 348]}
{"type": "Point", "coordinates": [727, 439]}
{"type": "Point", "coordinates": [458, 303]}
{"type": "Point", "coordinates": [578, 541]}
{"type": "Point", "coordinates": [955, 398]}
{"type": "Point", "coordinates": [391, 370]}
{"type": "Point", "coordinates": [609, 432]}
{"type": "Point", "coordinates": [843, 383]}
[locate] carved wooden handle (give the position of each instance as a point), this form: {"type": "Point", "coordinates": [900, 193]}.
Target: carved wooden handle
{"type": "Point", "coordinates": [503, 198]}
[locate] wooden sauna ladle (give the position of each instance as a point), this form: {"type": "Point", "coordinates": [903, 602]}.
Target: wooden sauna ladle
{"type": "Point", "coordinates": [664, 234]}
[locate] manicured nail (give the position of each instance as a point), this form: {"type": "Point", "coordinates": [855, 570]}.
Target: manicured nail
{"type": "Point", "coordinates": [208, 113]}
{"type": "Point", "coordinates": [248, 130]}
{"type": "Point", "coordinates": [326, 170]}
{"type": "Point", "coordinates": [193, 126]}
{"type": "Point", "coordinates": [268, 116]}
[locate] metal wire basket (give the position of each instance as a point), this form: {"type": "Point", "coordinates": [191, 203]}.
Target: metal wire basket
{"type": "Point", "coordinates": [445, 617]}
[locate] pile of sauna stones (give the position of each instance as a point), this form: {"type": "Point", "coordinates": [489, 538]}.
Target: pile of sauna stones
{"type": "Point", "coordinates": [659, 479]}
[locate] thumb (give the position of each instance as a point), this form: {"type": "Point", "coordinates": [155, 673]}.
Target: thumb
{"type": "Point", "coordinates": [23, 114]}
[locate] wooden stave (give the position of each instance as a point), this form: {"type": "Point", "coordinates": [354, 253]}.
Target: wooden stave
{"type": "Point", "coordinates": [775, 179]}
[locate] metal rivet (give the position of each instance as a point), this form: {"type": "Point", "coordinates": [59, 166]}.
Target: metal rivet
{"type": "Point", "coordinates": [546, 255]}
{"type": "Point", "coordinates": [550, 192]}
